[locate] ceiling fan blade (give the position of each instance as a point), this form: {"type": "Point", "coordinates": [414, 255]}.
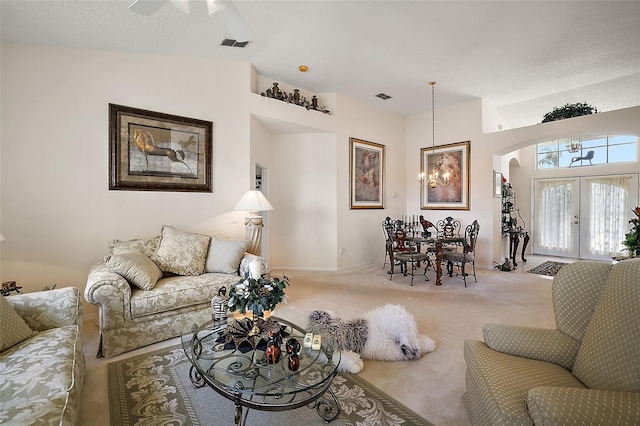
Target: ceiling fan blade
{"type": "Point", "coordinates": [214, 6]}
{"type": "Point", "coordinates": [146, 7]}
{"type": "Point", "coordinates": [234, 22]}
{"type": "Point", "coordinates": [183, 5]}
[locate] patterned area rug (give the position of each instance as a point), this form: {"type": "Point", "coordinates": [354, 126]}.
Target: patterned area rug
{"type": "Point", "coordinates": [154, 389]}
{"type": "Point", "coordinates": [549, 268]}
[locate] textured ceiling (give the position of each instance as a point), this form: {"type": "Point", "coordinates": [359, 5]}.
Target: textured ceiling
{"type": "Point", "coordinates": [522, 57]}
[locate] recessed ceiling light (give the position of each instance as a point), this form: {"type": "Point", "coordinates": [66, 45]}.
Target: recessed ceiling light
{"type": "Point", "coordinates": [383, 96]}
{"type": "Point", "coordinates": [303, 68]}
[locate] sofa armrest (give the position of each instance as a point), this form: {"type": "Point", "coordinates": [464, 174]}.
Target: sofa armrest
{"type": "Point", "coordinates": [549, 405]}
{"type": "Point", "coordinates": [44, 310]}
{"type": "Point", "coordinates": [542, 344]}
{"type": "Point", "coordinates": [112, 293]}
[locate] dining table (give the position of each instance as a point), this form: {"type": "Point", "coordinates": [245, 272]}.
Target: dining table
{"type": "Point", "coordinates": [438, 243]}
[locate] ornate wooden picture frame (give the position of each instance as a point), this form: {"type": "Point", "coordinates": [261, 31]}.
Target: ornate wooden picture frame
{"type": "Point", "coordinates": [454, 159]}
{"type": "Point", "coordinates": [367, 162]}
{"type": "Point", "coordinates": [154, 151]}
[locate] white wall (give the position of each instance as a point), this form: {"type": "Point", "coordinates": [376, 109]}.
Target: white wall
{"type": "Point", "coordinates": [359, 232]}
{"type": "Point", "coordinates": [303, 232]}
{"type": "Point", "coordinates": [456, 124]}
{"type": "Point", "coordinates": [57, 212]}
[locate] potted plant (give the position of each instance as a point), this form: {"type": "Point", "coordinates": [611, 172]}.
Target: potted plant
{"type": "Point", "coordinates": [569, 111]}
{"type": "Point", "coordinates": [257, 295]}
{"type": "Point", "coordinates": [632, 239]}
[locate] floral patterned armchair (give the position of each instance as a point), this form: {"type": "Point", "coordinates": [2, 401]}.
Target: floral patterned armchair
{"type": "Point", "coordinates": [42, 371]}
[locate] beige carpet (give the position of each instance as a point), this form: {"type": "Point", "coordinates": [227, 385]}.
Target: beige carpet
{"type": "Point", "coordinates": [431, 386]}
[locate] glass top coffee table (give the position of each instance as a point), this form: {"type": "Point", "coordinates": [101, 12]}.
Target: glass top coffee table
{"type": "Point", "coordinates": [240, 372]}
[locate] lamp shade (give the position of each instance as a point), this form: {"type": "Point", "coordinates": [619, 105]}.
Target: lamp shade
{"type": "Point", "coordinates": [253, 201]}
{"type": "Point", "coordinates": [1, 237]}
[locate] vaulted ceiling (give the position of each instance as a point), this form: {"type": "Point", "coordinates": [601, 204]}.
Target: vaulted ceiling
{"type": "Point", "coordinates": [521, 57]}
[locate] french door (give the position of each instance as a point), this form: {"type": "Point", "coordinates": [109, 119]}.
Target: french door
{"type": "Point", "coordinates": [583, 217]}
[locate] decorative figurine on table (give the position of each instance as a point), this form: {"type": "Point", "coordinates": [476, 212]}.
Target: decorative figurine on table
{"type": "Point", "coordinates": [293, 350]}
{"type": "Point", "coordinates": [8, 287]}
{"type": "Point", "coordinates": [219, 305]}
{"type": "Point", "coordinates": [272, 353]}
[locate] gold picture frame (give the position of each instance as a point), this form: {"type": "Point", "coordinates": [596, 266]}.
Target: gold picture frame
{"type": "Point", "coordinates": [367, 168]}
{"type": "Point", "coordinates": [451, 158]}
{"type": "Point", "coordinates": [154, 151]}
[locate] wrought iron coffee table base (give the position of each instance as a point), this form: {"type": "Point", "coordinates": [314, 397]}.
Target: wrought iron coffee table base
{"type": "Point", "coordinates": [246, 378]}
{"type": "Point", "coordinates": [327, 408]}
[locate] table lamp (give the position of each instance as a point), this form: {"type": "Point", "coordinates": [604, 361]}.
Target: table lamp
{"type": "Point", "coordinates": [253, 201]}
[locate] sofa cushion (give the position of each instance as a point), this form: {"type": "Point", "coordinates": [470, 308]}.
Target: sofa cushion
{"type": "Point", "coordinates": [145, 246]}
{"type": "Point", "coordinates": [180, 252]}
{"type": "Point", "coordinates": [13, 330]}
{"type": "Point", "coordinates": [609, 357]}
{"type": "Point", "coordinates": [178, 292]}
{"type": "Point", "coordinates": [137, 268]}
{"type": "Point", "coordinates": [225, 255]}
{"type": "Point", "coordinates": [40, 369]}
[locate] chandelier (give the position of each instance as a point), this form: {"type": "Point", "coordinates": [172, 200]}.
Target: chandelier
{"type": "Point", "coordinates": [435, 178]}
{"type": "Point", "coordinates": [575, 145]}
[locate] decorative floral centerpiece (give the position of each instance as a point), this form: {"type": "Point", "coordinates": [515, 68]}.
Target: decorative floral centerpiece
{"type": "Point", "coordinates": [257, 295]}
{"type": "Point", "coordinates": [632, 239]}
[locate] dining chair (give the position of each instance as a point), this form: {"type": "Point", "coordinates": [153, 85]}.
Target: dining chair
{"type": "Point", "coordinates": [448, 228]}
{"type": "Point", "coordinates": [467, 256]}
{"type": "Point", "coordinates": [403, 254]}
{"type": "Point", "coordinates": [388, 229]}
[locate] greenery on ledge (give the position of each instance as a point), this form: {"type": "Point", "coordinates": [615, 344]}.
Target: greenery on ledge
{"type": "Point", "coordinates": [569, 111]}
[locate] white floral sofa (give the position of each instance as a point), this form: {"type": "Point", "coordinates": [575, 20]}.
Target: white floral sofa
{"type": "Point", "coordinates": [42, 363]}
{"type": "Point", "coordinates": [149, 290]}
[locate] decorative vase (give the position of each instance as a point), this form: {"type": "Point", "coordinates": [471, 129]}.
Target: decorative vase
{"type": "Point", "coordinates": [272, 353]}
{"type": "Point", "coordinates": [293, 362]}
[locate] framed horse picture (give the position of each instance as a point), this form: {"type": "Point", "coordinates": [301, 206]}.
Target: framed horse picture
{"type": "Point", "coordinates": [154, 151]}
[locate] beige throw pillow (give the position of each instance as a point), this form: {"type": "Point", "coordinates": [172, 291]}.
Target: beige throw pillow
{"type": "Point", "coordinates": [13, 330]}
{"type": "Point", "coordinates": [136, 268]}
{"type": "Point", "coordinates": [182, 253]}
{"type": "Point", "coordinates": [225, 255]}
{"type": "Point", "coordinates": [145, 246]}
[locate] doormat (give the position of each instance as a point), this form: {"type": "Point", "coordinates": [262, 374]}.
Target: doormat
{"type": "Point", "coordinates": [549, 268]}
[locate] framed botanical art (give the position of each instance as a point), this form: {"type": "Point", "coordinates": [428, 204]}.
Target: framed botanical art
{"type": "Point", "coordinates": [497, 184]}
{"type": "Point", "coordinates": [154, 151]}
{"type": "Point", "coordinates": [450, 163]}
{"type": "Point", "coordinates": [366, 174]}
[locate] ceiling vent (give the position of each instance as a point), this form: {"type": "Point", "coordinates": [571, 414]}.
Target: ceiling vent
{"type": "Point", "coordinates": [233, 43]}
{"type": "Point", "coordinates": [383, 96]}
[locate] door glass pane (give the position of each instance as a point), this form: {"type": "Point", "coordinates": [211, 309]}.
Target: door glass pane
{"type": "Point", "coordinates": [553, 216]}
{"type": "Point", "coordinates": [607, 218]}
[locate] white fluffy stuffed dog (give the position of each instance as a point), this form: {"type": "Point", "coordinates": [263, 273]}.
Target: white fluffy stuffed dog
{"type": "Point", "coordinates": [388, 333]}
